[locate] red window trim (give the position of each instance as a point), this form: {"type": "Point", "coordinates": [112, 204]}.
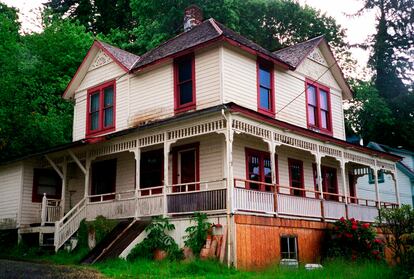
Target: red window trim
{"type": "Point", "coordinates": [269, 66]}
{"type": "Point", "coordinates": [189, 106]}
{"type": "Point", "coordinates": [101, 129]}
{"type": "Point", "coordinates": [290, 162]}
{"type": "Point", "coordinates": [175, 150]}
{"type": "Point", "coordinates": [261, 154]}
{"type": "Point", "coordinates": [318, 127]}
{"type": "Point", "coordinates": [38, 198]}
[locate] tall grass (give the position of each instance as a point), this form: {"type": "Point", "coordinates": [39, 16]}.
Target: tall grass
{"type": "Point", "coordinates": [211, 269]}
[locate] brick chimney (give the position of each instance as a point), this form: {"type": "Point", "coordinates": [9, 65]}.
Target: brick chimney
{"type": "Point", "coordinates": [193, 16]}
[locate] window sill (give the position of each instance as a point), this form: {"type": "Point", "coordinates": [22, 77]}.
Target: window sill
{"type": "Point", "coordinates": [100, 132]}
{"type": "Point", "coordinates": [184, 108]}
{"type": "Point", "coordinates": [266, 112]}
{"type": "Point", "coordinates": [322, 131]}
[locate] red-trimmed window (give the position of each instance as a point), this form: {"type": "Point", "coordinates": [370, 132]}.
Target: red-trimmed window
{"type": "Point", "coordinates": [318, 103]}
{"type": "Point", "coordinates": [258, 168]}
{"type": "Point", "coordinates": [184, 83]}
{"type": "Point", "coordinates": [101, 109]}
{"type": "Point", "coordinates": [46, 181]}
{"type": "Point", "coordinates": [265, 88]}
{"type": "Point", "coordinates": [296, 177]}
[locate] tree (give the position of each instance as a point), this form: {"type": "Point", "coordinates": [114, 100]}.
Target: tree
{"type": "Point", "coordinates": [369, 115]}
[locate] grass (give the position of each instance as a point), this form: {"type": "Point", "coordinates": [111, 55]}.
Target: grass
{"type": "Point", "coordinates": [211, 269]}
{"type": "Point", "coordinates": [141, 268]}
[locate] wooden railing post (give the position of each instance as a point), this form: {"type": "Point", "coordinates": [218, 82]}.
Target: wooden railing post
{"type": "Point", "coordinates": [44, 210]}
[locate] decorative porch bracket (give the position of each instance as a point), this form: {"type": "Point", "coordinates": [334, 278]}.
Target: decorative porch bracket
{"type": "Point", "coordinates": [83, 169]}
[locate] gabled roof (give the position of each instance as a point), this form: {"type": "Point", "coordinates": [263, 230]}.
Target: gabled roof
{"type": "Point", "coordinates": [400, 165]}
{"type": "Point", "coordinates": [123, 58]}
{"type": "Point", "coordinates": [208, 31]}
{"type": "Point", "coordinates": [294, 55]}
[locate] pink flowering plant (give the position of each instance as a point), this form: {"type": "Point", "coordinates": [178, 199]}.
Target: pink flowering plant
{"type": "Point", "coordinates": [353, 239]}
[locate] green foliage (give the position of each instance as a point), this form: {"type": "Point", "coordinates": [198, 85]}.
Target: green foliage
{"type": "Point", "coordinates": [197, 234]}
{"type": "Point", "coordinates": [368, 114]}
{"type": "Point", "coordinates": [157, 238]}
{"type": "Point", "coordinates": [398, 226]}
{"type": "Point", "coordinates": [353, 239]}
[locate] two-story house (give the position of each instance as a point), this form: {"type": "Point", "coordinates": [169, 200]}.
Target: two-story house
{"type": "Point", "coordinates": [207, 121]}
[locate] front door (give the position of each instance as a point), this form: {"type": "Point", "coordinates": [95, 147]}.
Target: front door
{"type": "Point", "coordinates": [152, 172]}
{"type": "Point", "coordinates": [186, 168]}
{"type": "Point", "coordinates": [329, 183]}
{"type": "Point", "coordinates": [103, 179]}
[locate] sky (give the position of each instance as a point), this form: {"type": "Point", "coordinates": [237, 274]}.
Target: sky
{"type": "Point", "coordinates": [358, 28]}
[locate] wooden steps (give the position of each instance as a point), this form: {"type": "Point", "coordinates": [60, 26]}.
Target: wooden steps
{"type": "Point", "coordinates": [116, 241]}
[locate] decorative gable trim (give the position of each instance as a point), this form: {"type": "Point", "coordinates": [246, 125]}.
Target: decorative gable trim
{"type": "Point", "coordinates": [101, 59]}
{"type": "Point", "coordinates": [317, 57]}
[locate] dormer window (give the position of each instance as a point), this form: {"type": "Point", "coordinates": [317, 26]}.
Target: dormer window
{"type": "Point", "coordinates": [318, 107]}
{"type": "Point", "coordinates": [184, 84]}
{"type": "Point", "coordinates": [265, 88]}
{"type": "Point", "coordinates": [101, 109]}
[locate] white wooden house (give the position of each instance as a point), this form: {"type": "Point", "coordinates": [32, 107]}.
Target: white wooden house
{"type": "Point", "coordinates": [208, 121]}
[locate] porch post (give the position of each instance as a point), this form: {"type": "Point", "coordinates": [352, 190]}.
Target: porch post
{"type": "Point", "coordinates": [397, 189]}
{"type": "Point", "coordinates": [87, 169]}
{"type": "Point", "coordinates": [63, 195]}
{"type": "Point", "coordinates": [377, 195]}
{"type": "Point", "coordinates": [319, 174]}
{"type": "Point", "coordinates": [137, 153]}
{"type": "Point", "coordinates": [229, 135]}
{"type": "Point", "coordinates": [167, 146]}
{"type": "Point", "coordinates": [272, 150]}
{"type": "Point", "coordinates": [343, 174]}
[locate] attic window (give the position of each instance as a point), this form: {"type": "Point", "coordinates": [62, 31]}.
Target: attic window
{"type": "Point", "coordinates": [101, 109]}
{"type": "Point", "coordinates": [184, 84]}
{"type": "Point", "coordinates": [318, 101]}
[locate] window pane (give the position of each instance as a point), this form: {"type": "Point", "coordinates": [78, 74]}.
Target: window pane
{"type": "Point", "coordinates": [265, 98]}
{"type": "Point", "coordinates": [324, 119]}
{"type": "Point", "coordinates": [49, 190]}
{"type": "Point", "coordinates": [284, 246]}
{"type": "Point", "coordinates": [254, 170]}
{"type": "Point", "coordinates": [95, 102]}
{"type": "Point", "coordinates": [186, 93]}
{"type": "Point", "coordinates": [184, 70]}
{"type": "Point", "coordinates": [264, 75]}
{"type": "Point", "coordinates": [47, 180]}
{"type": "Point", "coordinates": [311, 95]}
{"type": "Point", "coordinates": [324, 99]}
{"type": "Point", "coordinates": [312, 115]}
{"type": "Point", "coordinates": [109, 96]}
{"type": "Point", "coordinates": [108, 117]}
{"type": "Point", "coordinates": [94, 121]}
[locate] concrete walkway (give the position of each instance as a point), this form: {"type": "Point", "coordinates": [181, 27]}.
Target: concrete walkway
{"type": "Point", "coordinates": [27, 270]}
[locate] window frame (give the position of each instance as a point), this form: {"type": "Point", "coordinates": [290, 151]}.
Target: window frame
{"type": "Point", "coordinates": [91, 91]}
{"type": "Point", "coordinates": [296, 252]}
{"type": "Point", "coordinates": [318, 116]}
{"type": "Point", "coordinates": [45, 172]}
{"type": "Point", "coordinates": [260, 63]}
{"type": "Point", "coordinates": [262, 155]}
{"type": "Point", "coordinates": [191, 105]}
{"type": "Point", "coordinates": [381, 176]}
{"type": "Point", "coordinates": [300, 162]}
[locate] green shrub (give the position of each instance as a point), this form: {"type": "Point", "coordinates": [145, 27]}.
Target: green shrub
{"type": "Point", "coordinates": [353, 239]}
{"type": "Point", "coordinates": [157, 238]}
{"type": "Point", "coordinates": [197, 234]}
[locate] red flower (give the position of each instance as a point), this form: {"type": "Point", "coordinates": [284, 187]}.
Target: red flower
{"type": "Point", "coordinates": [342, 219]}
{"type": "Point", "coordinates": [336, 228]}
{"type": "Point", "coordinates": [377, 240]}
{"type": "Point", "coordinates": [375, 252]}
{"type": "Point", "coordinates": [354, 227]}
{"type": "Point", "coordinates": [348, 235]}
{"type": "Point", "coordinates": [365, 225]}
{"type": "Point", "coordinates": [352, 220]}
{"type": "Point", "coordinates": [369, 245]}
{"type": "Point", "coordinates": [339, 235]}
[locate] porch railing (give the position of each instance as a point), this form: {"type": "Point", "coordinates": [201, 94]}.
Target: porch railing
{"type": "Point", "coordinates": [298, 202]}
{"type": "Point", "coordinates": [51, 210]}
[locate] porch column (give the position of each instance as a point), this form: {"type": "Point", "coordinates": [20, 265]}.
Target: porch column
{"type": "Point", "coordinates": [318, 160]}
{"type": "Point", "coordinates": [137, 153]}
{"type": "Point", "coordinates": [167, 146]}
{"type": "Point", "coordinates": [64, 178]}
{"type": "Point", "coordinates": [343, 174]}
{"type": "Point", "coordinates": [230, 178]}
{"type": "Point", "coordinates": [397, 190]}
{"type": "Point", "coordinates": [87, 174]}
{"type": "Point", "coordinates": [272, 150]}
{"type": "Point", "coordinates": [377, 195]}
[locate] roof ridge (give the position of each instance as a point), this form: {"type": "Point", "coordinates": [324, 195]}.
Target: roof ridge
{"type": "Point", "coordinates": [213, 22]}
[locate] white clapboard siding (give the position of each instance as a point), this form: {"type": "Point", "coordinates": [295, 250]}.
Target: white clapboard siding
{"type": "Point", "coordinates": [10, 185]}
{"type": "Point", "coordinates": [30, 211]}
{"type": "Point", "coordinates": [365, 190]}
{"type": "Point", "coordinates": [94, 78]}
{"type": "Point", "coordinates": [239, 86]}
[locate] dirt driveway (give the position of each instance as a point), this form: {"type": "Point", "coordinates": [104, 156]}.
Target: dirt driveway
{"type": "Point", "coordinates": [22, 270]}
